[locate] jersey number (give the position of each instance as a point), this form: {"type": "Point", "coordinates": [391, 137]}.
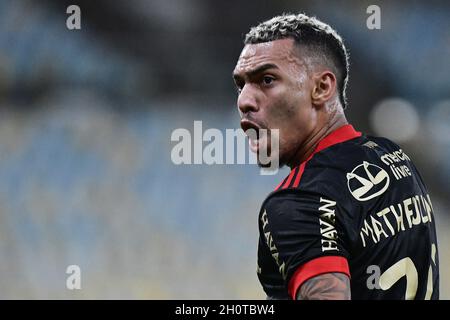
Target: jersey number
{"type": "Point", "coordinates": [406, 267]}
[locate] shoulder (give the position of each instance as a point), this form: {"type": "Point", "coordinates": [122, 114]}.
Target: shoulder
{"type": "Point", "coordinates": [294, 206]}
{"type": "Point", "coordinates": [335, 163]}
{"type": "Point", "coordinates": [343, 172]}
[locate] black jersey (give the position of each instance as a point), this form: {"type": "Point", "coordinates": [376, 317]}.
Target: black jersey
{"type": "Point", "coordinates": [357, 206]}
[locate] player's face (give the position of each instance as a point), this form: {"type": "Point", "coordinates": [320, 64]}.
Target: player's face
{"type": "Point", "coordinates": [274, 93]}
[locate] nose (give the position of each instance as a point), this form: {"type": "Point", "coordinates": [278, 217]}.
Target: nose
{"type": "Point", "coordinates": [247, 101]}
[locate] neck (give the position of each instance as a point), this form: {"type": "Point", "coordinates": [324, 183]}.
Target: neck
{"type": "Point", "coordinates": [308, 147]}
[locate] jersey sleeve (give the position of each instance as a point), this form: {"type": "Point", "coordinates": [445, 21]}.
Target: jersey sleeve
{"type": "Point", "coordinates": [303, 233]}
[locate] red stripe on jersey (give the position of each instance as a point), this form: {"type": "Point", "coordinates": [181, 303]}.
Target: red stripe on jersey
{"type": "Point", "coordinates": [289, 179]}
{"type": "Point", "coordinates": [314, 268]}
{"type": "Point", "coordinates": [279, 185]}
{"type": "Point", "coordinates": [342, 134]}
{"type": "Point", "coordinates": [300, 173]}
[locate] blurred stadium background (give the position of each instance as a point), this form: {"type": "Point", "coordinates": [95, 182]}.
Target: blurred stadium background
{"type": "Point", "coordinates": [85, 124]}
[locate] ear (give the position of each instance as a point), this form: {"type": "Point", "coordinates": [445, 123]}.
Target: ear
{"type": "Point", "coordinates": [324, 87]}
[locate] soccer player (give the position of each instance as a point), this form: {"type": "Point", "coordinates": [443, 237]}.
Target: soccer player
{"type": "Point", "coordinates": [353, 219]}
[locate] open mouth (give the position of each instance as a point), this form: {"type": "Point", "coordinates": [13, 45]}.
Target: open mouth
{"type": "Point", "coordinates": [252, 130]}
{"type": "Point", "coordinates": [248, 125]}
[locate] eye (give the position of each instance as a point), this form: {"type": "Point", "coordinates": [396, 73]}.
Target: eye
{"type": "Point", "coordinates": [239, 86]}
{"type": "Point", "coordinates": [267, 80]}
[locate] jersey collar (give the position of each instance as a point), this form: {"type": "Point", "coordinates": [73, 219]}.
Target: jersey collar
{"type": "Point", "coordinates": [344, 133]}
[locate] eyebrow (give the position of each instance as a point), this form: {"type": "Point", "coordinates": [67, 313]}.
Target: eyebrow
{"type": "Point", "coordinates": [256, 71]}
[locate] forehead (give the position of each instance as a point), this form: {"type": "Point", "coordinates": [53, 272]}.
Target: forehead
{"type": "Point", "coordinates": [279, 52]}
